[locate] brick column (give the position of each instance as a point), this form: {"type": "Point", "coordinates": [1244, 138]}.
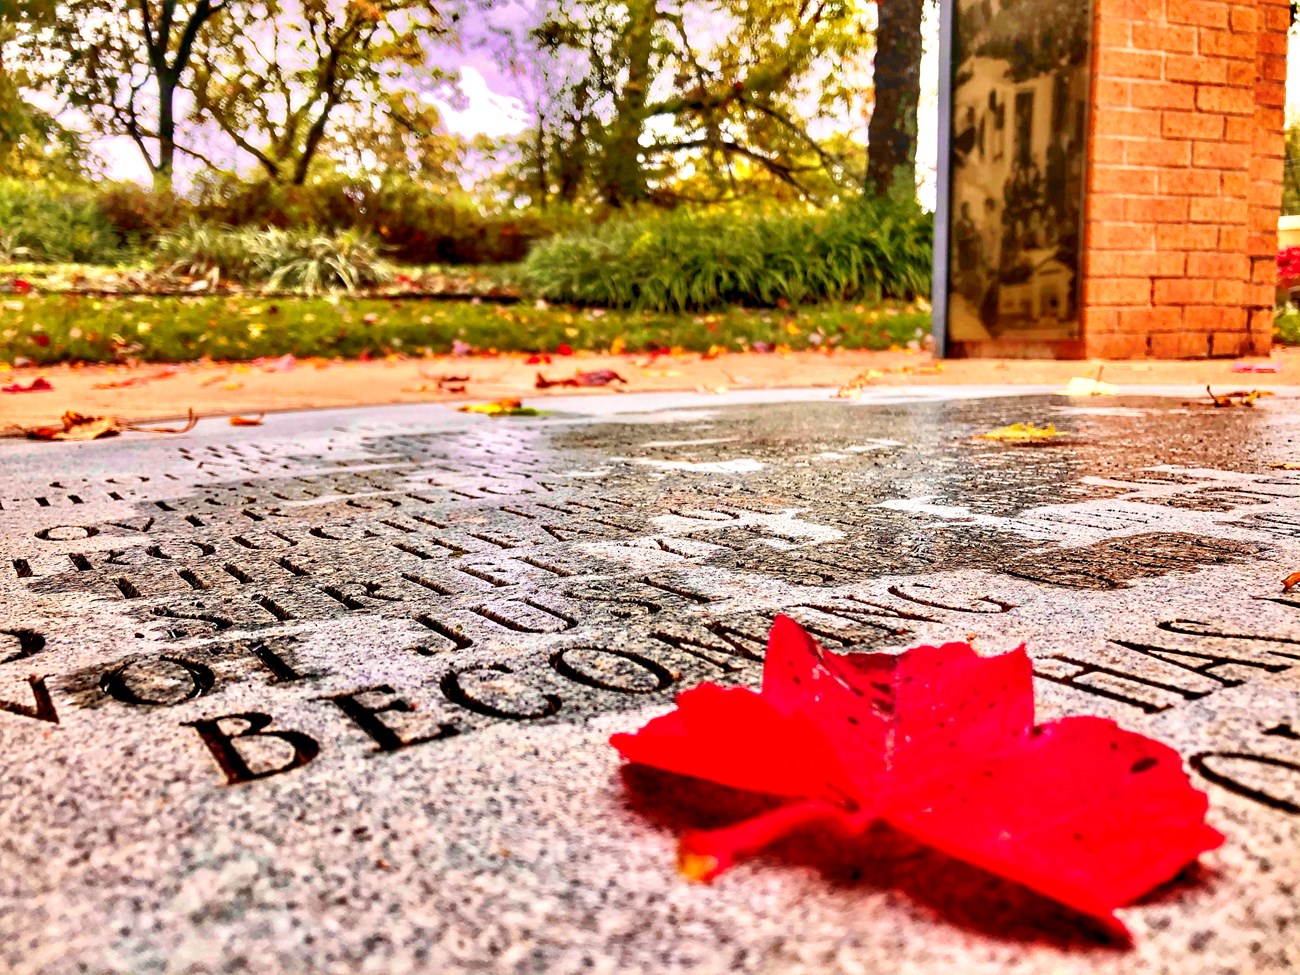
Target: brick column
{"type": "Point", "coordinates": [1184, 177]}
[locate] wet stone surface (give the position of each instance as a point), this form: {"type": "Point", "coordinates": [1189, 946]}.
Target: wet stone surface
{"type": "Point", "coordinates": [333, 695]}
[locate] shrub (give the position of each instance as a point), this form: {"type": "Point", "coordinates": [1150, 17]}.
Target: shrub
{"type": "Point", "coordinates": [1286, 326]}
{"type": "Point", "coordinates": [296, 260]}
{"type": "Point", "coordinates": [49, 223]}
{"type": "Point", "coordinates": [693, 261]}
{"type": "Point", "coordinates": [417, 224]}
{"type": "Point", "coordinates": [139, 214]}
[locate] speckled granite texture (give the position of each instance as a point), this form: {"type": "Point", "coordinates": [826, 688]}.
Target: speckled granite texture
{"type": "Point", "coordinates": [333, 695]}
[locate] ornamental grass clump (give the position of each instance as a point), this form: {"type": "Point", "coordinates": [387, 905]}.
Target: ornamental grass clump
{"type": "Point", "coordinates": [696, 261]}
{"type": "Point", "coordinates": [305, 261]}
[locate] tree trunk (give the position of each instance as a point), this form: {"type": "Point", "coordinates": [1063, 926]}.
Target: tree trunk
{"type": "Point", "coordinates": [891, 136]}
{"type": "Point", "coordinates": [165, 169]}
{"type": "Point", "coordinates": [312, 143]}
{"type": "Point", "coordinates": [624, 178]}
{"type": "Point", "coordinates": [539, 165]}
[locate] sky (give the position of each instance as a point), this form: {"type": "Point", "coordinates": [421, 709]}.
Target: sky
{"type": "Point", "coordinates": [488, 106]}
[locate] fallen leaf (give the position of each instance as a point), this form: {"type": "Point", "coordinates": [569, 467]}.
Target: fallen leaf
{"type": "Point", "coordinates": [940, 744]}
{"type": "Point", "coordinates": [1289, 465]}
{"type": "Point", "coordinates": [77, 426]}
{"type": "Point", "coordinates": [1020, 433]}
{"type": "Point", "coordinates": [1291, 581]}
{"type": "Point", "coordinates": [284, 363]}
{"type": "Point", "coordinates": [597, 377]}
{"type": "Point", "coordinates": [1083, 386]}
{"type": "Point", "coordinates": [190, 423]}
{"type": "Point", "coordinates": [38, 385]}
{"type": "Point", "coordinates": [231, 387]}
{"type": "Point", "coordinates": [247, 421]}
{"type": "Point", "coordinates": [502, 407]}
{"type": "Point", "coordinates": [854, 387]}
{"type": "Point", "coordinates": [138, 380]}
{"type": "Point", "coordinates": [1240, 397]}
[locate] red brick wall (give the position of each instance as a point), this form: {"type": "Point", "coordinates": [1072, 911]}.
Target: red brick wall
{"type": "Point", "coordinates": [1184, 177]}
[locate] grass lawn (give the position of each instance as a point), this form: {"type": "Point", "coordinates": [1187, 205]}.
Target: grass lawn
{"type": "Point", "coordinates": [43, 329]}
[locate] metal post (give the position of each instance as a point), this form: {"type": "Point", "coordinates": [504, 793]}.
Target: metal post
{"type": "Point", "coordinates": [943, 178]}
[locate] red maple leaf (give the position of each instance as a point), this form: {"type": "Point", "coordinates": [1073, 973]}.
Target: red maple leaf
{"type": "Point", "coordinates": [940, 744]}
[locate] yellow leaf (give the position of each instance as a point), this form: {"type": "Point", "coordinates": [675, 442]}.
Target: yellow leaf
{"type": "Point", "coordinates": [617, 346]}
{"type": "Point", "coordinates": [1289, 465]}
{"type": "Point", "coordinates": [502, 407]}
{"type": "Point", "coordinates": [1082, 386]}
{"type": "Point", "coordinates": [697, 867]}
{"type": "Point", "coordinates": [1020, 432]}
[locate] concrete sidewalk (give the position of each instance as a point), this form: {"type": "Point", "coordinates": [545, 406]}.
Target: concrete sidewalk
{"type": "Point", "coordinates": [153, 391]}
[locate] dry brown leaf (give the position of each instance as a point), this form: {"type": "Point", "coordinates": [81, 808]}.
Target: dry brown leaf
{"type": "Point", "coordinates": [853, 388]}
{"type": "Point", "coordinates": [185, 429]}
{"type": "Point", "coordinates": [138, 380]}
{"type": "Point", "coordinates": [1289, 465]}
{"type": "Point", "coordinates": [1238, 397]}
{"type": "Point", "coordinates": [247, 421]}
{"type": "Point", "coordinates": [596, 377]}
{"type": "Point", "coordinates": [77, 426]}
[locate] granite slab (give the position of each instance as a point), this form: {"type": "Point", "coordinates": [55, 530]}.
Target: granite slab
{"type": "Point", "coordinates": [333, 694]}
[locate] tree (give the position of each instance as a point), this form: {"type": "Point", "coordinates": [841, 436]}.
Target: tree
{"type": "Point", "coordinates": [659, 100]}
{"type": "Point", "coordinates": [32, 142]}
{"type": "Point", "coordinates": [891, 138]}
{"type": "Point", "coordinates": [278, 75]}
{"type": "Point", "coordinates": [122, 63]}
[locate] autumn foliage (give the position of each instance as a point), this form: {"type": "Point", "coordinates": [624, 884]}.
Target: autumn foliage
{"type": "Point", "coordinates": [940, 744]}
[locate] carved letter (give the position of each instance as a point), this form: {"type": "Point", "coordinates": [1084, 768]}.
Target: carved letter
{"type": "Point", "coordinates": [197, 680]}
{"type": "Point", "coordinates": [730, 643]}
{"type": "Point", "coordinates": [233, 764]}
{"type": "Point", "coordinates": [43, 709]}
{"type": "Point", "coordinates": [1113, 676]}
{"type": "Point", "coordinates": [998, 605]}
{"type": "Point", "coordinates": [1177, 658]}
{"type": "Point", "coordinates": [660, 676]}
{"type": "Point", "coordinates": [29, 642]}
{"type": "Point", "coordinates": [367, 718]}
{"type": "Point", "coordinates": [1201, 764]}
{"type": "Point", "coordinates": [276, 664]}
{"type": "Point", "coordinates": [456, 694]}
